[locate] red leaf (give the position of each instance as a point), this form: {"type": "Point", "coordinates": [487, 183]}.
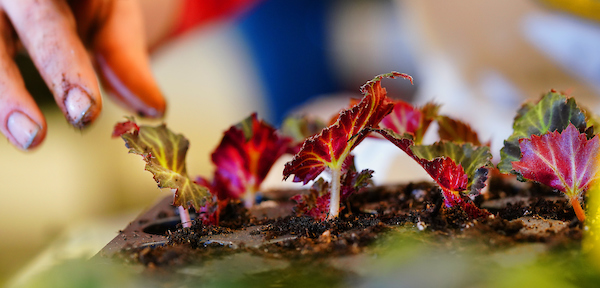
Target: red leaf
{"type": "Point", "coordinates": [566, 161]}
{"type": "Point", "coordinates": [404, 118]}
{"type": "Point", "coordinates": [450, 176]}
{"type": "Point", "coordinates": [316, 203]}
{"type": "Point", "coordinates": [245, 156]}
{"type": "Point", "coordinates": [128, 126]}
{"type": "Point", "coordinates": [446, 173]}
{"type": "Point", "coordinates": [443, 170]}
{"type": "Point", "coordinates": [454, 199]}
{"type": "Point", "coordinates": [331, 147]}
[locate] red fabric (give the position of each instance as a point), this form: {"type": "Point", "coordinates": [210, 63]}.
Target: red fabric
{"type": "Point", "coordinates": [198, 12]}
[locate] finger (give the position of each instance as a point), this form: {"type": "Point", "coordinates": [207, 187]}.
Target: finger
{"type": "Point", "coordinates": [21, 120]}
{"type": "Point", "coordinates": [47, 30]}
{"type": "Point", "coordinates": [122, 60]}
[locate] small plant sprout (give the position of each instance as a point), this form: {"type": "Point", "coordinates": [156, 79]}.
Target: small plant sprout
{"type": "Point", "coordinates": [566, 161]}
{"type": "Point", "coordinates": [456, 163]}
{"type": "Point", "coordinates": [553, 112]}
{"type": "Point", "coordinates": [242, 159]}
{"type": "Point", "coordinates": [455, 168]}
{"type": "Point", "coordinates": [164, 153]}
{"type": "Point", "coordinates": [407, 119]}
{"type": "Point", "coordinates": [245, 155]}
{"type": "Point", "coordinates": [331, 147]}
{"type": "Point", "coordinates": [316, 203]}
{"type": "Point", "coordinates": [552, 144]}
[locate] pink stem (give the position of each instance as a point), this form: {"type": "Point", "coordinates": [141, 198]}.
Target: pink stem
{"type": "Point", "coordinates": [186, 221]}
{"type": "Point", "coordinates": [184, 214]}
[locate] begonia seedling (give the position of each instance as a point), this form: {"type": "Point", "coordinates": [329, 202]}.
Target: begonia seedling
{"type": "Point", "coordinates": [458, 169]}
{"type": "Point", "coordinates": [456, 164]}
{"type": "Point", "coordinates": [552, 144]}
{"type": "Point", "coordinates": [164, 153]}
{"type": "Point", "coordinates": [242, 160]}
{"type": "Point", "coordinates": [331, 147]}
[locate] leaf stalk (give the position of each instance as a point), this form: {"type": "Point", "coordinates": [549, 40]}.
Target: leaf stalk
{"type": "Point", "coordinates": [578, 209]}
{"type": "Point", "coordinates": [334, 203]}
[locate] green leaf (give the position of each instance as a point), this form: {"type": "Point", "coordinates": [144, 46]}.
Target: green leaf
{"type": "Point", "coordinates": [164, 153]}
{"type": "Point", "coordinates": [471, 158]}
{"type": "Point", "coordinates": [552, 113]}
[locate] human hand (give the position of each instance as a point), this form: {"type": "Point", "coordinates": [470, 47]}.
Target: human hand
{"type": "Point", "coordinates": [56, 34]}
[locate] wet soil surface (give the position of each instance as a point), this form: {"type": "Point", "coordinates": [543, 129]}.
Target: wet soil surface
{"type": "Point", "coordinates": [522, 213]}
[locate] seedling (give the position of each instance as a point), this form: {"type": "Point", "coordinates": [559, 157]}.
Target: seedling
{"type": "Point", "coordinates": [331, 147]}
{"type": "Point", "coordinates": [242, 160]}
{"type": "Point", "coordinates": [552, 145]}
{"type": "Point", "coordinates": [316, 203]}
{"type": "Point", "coordinates": [164, 153]}
{"type": "Point", "coordinates": [244, 157]}
{"type": "Point", "coordinates": [455, 168]}
{"type": "Point", "coordinates": [458, 163]}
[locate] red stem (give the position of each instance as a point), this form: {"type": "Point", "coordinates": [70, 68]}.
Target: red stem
{"type": "Point", "coordinates": [578, 210]}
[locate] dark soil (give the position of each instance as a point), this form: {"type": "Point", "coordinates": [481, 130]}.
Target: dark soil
{"type": "Point", "coordinates": [366, 217]}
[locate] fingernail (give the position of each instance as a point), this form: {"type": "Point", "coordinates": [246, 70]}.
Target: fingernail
{"type": "Point", "coordinates": [78, 103]}
{"type": "Point", "coordinates": [150, 112]}
{"type": "Point", "coordinates": [22, 128]}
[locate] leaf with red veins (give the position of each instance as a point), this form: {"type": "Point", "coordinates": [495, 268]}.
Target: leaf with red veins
{"type": "Point", "coordinates": [553, 112]}
{"type": "Point", "coordinates": [448, 174]}
{"type": "Point", "coordinates": [455, 199]}
{"type": "Point", "coordinates": [208, 214]}
{"type": "Point", "coordinates": [128, 126]}
{"type": "Point", "coordinates": [164, 153]}
{"type": "Point", "coordinates": [312, 205]}
{"type": "Point", "coordinates": [455, 168]}
{"type": "Point", "coordinates": [474, 160]}
{"type": "Point", "coordinates": [566, 160]}
{"type": "Point", "coordinates": [331, 147]}
{"type": "Point", "coordinates": [245, 156]}
{"type": "Point", "coordinates": [443, 170]}
{"type": "Point", "coordinates": [404, 118]}
{"type": "Point", "coordinates": [316, 202]}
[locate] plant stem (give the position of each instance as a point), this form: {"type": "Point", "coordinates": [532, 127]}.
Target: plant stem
{"type": "Point", "coordinates": [184, 214]}
{"type": "Point", "coordinates": [334, 202]}
{"type": "Point", "coordinates": [186, 221]}
{"type": "Point", "coordinates": [578, 210]}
